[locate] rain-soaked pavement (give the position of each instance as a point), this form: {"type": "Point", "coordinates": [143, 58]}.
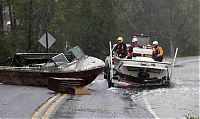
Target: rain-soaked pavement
{"type": "Point", "coordinates": [177, 101]}
{"type": "Point", "coordinates": [21, 101]}
{"type": "Point", "coordinates": [181, 99]}
{"type": "Point", "coordinates": [102, 103]}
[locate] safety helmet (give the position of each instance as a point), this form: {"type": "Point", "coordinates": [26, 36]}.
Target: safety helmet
{"type": "Point", "coordinates": [120, 39]}
{"type": "Point", "coordinates": [155, 42]}
{"type": "Point", "coordinates": [148, 46]}
{"type": "Point", "coordinates": [134, 40]}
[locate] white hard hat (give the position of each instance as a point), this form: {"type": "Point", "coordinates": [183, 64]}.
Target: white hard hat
{"type": "Point", "coordinates": [155, 42]}
{"type": "Point", "coordinates": [134, 40]}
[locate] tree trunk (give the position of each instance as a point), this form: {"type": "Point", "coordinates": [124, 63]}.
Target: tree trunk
{"type": "Point", "coordinates": [30, 26]}
{"type": "Point", "coordinates": [171, 31]}
{"type": "Point", "coordinates": [10, 13]}
{"type": "Point", "coordinates": [1, 16]}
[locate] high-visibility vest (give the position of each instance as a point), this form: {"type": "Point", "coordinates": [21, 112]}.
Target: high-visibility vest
{"type": "Point", "coordinates": [158, 51]}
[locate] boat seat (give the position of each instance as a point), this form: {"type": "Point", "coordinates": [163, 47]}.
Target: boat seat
{"type": "Point", "coordinates": [142, 51]}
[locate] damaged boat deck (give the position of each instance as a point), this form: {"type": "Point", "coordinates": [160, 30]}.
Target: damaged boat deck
{"type": "Point", "coordinates": [69, 71]}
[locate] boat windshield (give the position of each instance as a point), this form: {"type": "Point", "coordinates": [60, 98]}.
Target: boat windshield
{"type": "Point", "coordinates": [77, 52]}
{"type": "Point", "coordinates": [60, 59]}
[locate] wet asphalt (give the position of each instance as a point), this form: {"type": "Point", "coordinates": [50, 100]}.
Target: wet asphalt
{"type": "Point", "coordinates": [182, 98]}
{"type": "Point", "coordinates": [177, 101]}
{"type": "Point", "coordinates": [21, 101]}
{"type": "Point", "coordinates": [102, 103]}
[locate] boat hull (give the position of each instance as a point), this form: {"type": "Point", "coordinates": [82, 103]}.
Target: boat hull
{"type": "Point", "coordinates": [36, 78]}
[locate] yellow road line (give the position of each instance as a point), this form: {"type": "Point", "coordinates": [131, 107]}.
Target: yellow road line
{"type": "Point", "coordinates": [44, 105]}
{"type": "Point", "coordinates": [53, 106]}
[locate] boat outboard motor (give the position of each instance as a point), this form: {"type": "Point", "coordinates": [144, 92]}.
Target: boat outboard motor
{"type": "Point", "coordinates": [143, 76]}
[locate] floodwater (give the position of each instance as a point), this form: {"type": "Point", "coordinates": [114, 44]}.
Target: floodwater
{"type": "Point", "coordinates": [182, 98]}
{"type": "Point", "coordinates": [177, 101]}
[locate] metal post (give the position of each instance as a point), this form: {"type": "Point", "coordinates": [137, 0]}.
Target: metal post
{"type": "Point", "coordinates": [47, 42]}
{"type": "Point", "coordinates": [111, 65]}
{"type": "Point", "coordinates": [173, 63]}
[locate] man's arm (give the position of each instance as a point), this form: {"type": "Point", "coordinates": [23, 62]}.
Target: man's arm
{"type": "Point", "coordinates": [161, 52]}
{"type": "Point", "coordinates": [115, 48]}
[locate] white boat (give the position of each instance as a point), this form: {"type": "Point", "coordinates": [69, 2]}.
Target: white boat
{"type": "Point", "coordinates": [140, 70]}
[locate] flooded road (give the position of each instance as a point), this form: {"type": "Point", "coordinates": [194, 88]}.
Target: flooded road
{"type": "Point", "coordinates": [176, 101]}
{"type": "Point", "coordinates": [102, 103]}
{"type": "Point", "coordinates": [182, 98]}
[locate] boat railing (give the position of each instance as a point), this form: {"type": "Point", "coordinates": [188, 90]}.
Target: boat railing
{"type": "Point", "coordinates": [22, 68]}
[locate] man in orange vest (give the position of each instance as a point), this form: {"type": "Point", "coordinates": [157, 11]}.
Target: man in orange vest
{"type": "Point", "coordinates": [157, 52]}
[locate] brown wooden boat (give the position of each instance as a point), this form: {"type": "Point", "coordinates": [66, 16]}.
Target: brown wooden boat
{"type": "Point", "coordinates": [37, 68]}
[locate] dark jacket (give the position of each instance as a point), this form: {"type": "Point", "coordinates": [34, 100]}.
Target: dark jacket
{"type": "Point", "coordinates": [120, 50]}
{"type": "Point", "coordinates": [130, 50]}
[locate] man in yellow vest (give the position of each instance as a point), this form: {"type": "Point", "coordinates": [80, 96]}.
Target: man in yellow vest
{"type": "Point", "coordinates": [157, 52]}
{"type": "Point", "coordinates": [120, 49]}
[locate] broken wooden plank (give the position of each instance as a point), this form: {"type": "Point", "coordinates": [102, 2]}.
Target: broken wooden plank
{"type": "Point", "coordinates": [82, 91]}
{"type": "Point", "coordinates": [65, 85]}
